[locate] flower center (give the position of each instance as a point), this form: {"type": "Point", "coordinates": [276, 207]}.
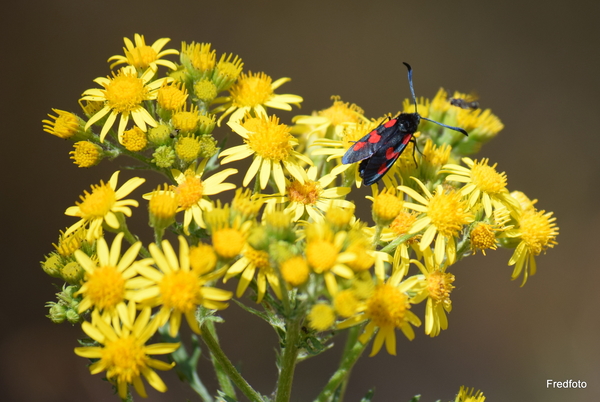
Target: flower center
{"type": "Point", "coordinates": [86, 154]}
{"type": "Point", "coordinates": [189, 192]}
{"type": "Point", "coordinates": [439, 285]}
{"type": "Point", "coordinates": [321, 255]}
{"type": "Point", "coordinates": [387, 307]}
{"type": "Point", "coordinates": [403, 222]}
{"type": "Point", "coordinates": [180, 290]}
{"type": "Point", "coordinates": [171, 97]}
{"type": "Point", "coordinates": [251, 90]}
{"type": "Point", "coordinates": [538, 230]}
{"type": "Point", "coordinates": [141, 56]}
{"type": "Point", "coordinates": [268, 138]}
{"type": "Point", "coordinates": [187, 148]}
{"type": "Point", "coordinates": [135, 140]}
{"type": "Point", "coordinates": [346, 303]}
{"type": "Point", "coordinates": [228, 242]}
{"type": "Point", "coordinates": [386, 206]}
{"type": "Point", "coordinates": [186, 121]}
{"type": "Point", "coordinates": [124, 358]}
{"type": "Point", "coordinates": [98, 203]}
{"type": "Point", "coordinates": [342, 112]}
{"type": "Point", "coordinates": [448, 213]}
{"type": "Point", "coordinates": [486, 178]}
{"type": "Point", "coordinates": [259, 259]}
{"type": "Point", "coordinates": [295, 271]}
{"type": "Point", "coordinates": [105, 287]}
{"type": "Point", "coordinates": [125, 92]}
{"type": "Point", "coordinates": [307, 193]}
{"type": "Point", "coordinates": [483, 237]}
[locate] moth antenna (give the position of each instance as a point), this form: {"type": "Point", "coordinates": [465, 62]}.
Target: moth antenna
{"type": "Point", "coordinates": [412, 90]}
{"type": "Point", "coordinates": [460, 130]}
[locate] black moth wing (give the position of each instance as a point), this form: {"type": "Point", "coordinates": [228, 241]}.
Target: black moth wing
{"type": "Point", "coordinates": [369, 144]}
{"type": "Point", "coordinates": [373, 169]}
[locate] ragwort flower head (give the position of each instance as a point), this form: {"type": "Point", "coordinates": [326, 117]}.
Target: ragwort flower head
{"type": "Point", "coordinates": [103, 205]}
{"type": "Point", "coordinates": [177, 288]}
{"type": "Point", "coordinates": [123, 95]}
{"type": "Point", "coordinates": [108, 280]}
{"type": "Point", "coordinates": [123, 353]}
{"type": "Point", "coordinates": [445, 213]}
{"type": "Point", "coordinates": [337, 117]}
{"type": "Point", "coordinates": [272, 147]}
{"type": "Point", "coordinates": [142, 56]}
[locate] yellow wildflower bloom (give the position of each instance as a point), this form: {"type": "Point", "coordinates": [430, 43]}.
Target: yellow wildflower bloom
{"type": "Point", "coordinates": [124, 94]}
{"type": "Point", "coordinates": [142, 56]}
{"type": "Point", "coordinates": [444, 216]}
{"type": "Point", "coordinates": [272, 146]}
{"type": "Point", "coordinates": [321, 317]}
{"type": "Point", "coordinates": [336, 118]}
{"type": "Point", "coordinates": [108, 280]}
{"type": "Point", "coordinates": [177, 288]}
{"type": "Point", "coordinates": [123, 353]}
{"type": "Point", "coordinates": [387, 308]}
{"type": "Point", "coordinates": [103, 204]}
{"type": "Point", "coordinates": [251, 94]}
{"type": "Point", "coordinates": [65, 125]}
{"type": "Point", "coordinates": [86, 154]}
{"type": "Point", "coordinates": [469, 395]}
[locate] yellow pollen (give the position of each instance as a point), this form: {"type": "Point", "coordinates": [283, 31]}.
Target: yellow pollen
{"type": "Point", "coordinates": [187, 148]}
{"type": "Point", "coordinates": [486, 178]}
{"type": "Point", "coordinates": [321, 255]}
{"type": "Point", "coordinates": [269, 139]}
{"type": "Point", "coordinates": [483, 237]}
{"type": "Point", "coordinates": [105, 287]}
{"type": "Point", "coordinates": [86, 154]}
{"type": "Point", "coordinates": [172, 97]}
{"type": "Point", "coordinates": [345, 303]}
{"type": "Point", "coordinates": [134, 140]}
{"type": "Point", "coordinates": [439, 285]}
{"type": "Point", "coordinates": [251, 90]}
{"type": "Point", "coordinates": [307, 193]}
{"type": "Point", "coordinates": [228, 242]}
{"type": "Point", "coordinates": [185, 121]}
{"type": "Point", "coordinates": [65, 125]}
{"type": "Point", "coordinates": [125, 358]}
{"type": "Point", "coordinates": [387, 307]}
{"type": "Point", "coordinates": [203, 258]}
{"type": "Point", "coordinates": [98, 203]}
{"type": "Point", "coordinates": [180, 290]}
{"type": "Point", "coordinates": [200, 55]}
{"type": "Point", "coordinates": [141, 56]}
{"type": "Point", "coordinates": [321, 317]}
{"type": "Point", "coordinates": [258, 258]}
{"type": "Point", "coordinates": [342, 112]}
{"type": "Point", "coordinates": [295, 271]}
{"type": "Point", "coordinates": [448, 213]}
{"type": "Point", "coordinates": [434, 155]}
{"type": "Point", "coordinates": [205, 90]}
{"type": "Point", "coordinates": [403, 222]}
{"type": "Point", "coordinates": [189, 192]}
{"type": "Point", "coordinates": [387, 206]}
{"type": "Point", "coordinates": [539, 230]}
{"type": "Point", "coordinates": [125, 92]}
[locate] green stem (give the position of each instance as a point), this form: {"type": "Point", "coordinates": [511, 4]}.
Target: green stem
{"type": "Point", "coordinates": [222, 377]}
{"type": "Point", "coordinates": [351, 340]}
{"type": "Point", "coordinates": [228, 367]}
{"type": "Point", "coordinates": [351, 355]}
{"type": "Point", "coordinates": [288, 359]}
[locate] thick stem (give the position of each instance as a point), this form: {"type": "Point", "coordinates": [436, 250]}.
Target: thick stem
{"type": "Point", "coordinates": [228, 367]}
{"type": "Point", "coordinates": [288, 360]}
{"type": "Point", "coordinates": [222, 377]}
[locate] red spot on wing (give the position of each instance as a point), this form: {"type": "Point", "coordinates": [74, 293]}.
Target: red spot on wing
{"type": "Point", "coordinates": [390, 123]}
{"type": "Point", "coordinates": [382, 169]}
{"type": "Point", "coordinates": [406, 139]}
{"type": "Point", "coordinates": [374, 137]}
{"type": "Point", "coordinates": [358, 146]}
{"type": "Point", "coordinates": [390, 154]}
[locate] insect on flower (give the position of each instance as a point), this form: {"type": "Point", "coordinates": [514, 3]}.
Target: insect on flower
{"type": "Point", "coordinates": [378, 150]}
{"type": "Point", "coordinates": [469, 103]}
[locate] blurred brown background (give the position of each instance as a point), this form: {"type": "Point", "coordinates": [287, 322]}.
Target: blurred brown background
{"type": "Point", "coordinates": [534, 63]}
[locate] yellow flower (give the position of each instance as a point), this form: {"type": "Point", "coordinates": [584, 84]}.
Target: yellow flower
{"type": "Point", "coordinates": [386, 205]}
{"type": "Point", "coordinates": [66, 125]}
{"type": "Point", "coordinates": [124, 94]}
{"type": "Point", "coordinates": [337, 118]}
{"type": "Point", "coordinates": [104, 204]}
{"type": "Point", "coordinates": [444, 216]}
{"type": "Point", "coordinates": [482, 184]}
{"type": "Point", "coordinates": [191, 190]}
{"type": "Point", "coordinates": [108, 281]}
{"type": "Point", "coordinates": [272, 146]}
{"type": "Point", "coordinates": [436, 287]}
{"type": "Point", "coordinates": [387, 308]}
{"type": "Point", "coordinates": [172, 96]}
{"type": "Point", "coordinates": [254, 260]}
{"type": "Point", "coordinates": [86, 154]}
{"type": "Point", "coordinates": [178, 289]}
{"type": "Point", "coordinates": [321, 317]}
{"type": "Point", "coordinates": [312, 197]}
{"type": "Point", "coordinates": [537, 232]}
{"type": "Point", "coordinates": [134, 140]}
{"type": "Point", "coordinates": [142, 56]}
{"type": "Point", "coordinates": [469, 395]}
{"type": "Point", "coordinates": [123, 353]}
{"type": "Point", "coordinates": [251, 94]}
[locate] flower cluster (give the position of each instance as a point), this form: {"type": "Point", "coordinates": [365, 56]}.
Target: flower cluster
{"type": "Point", "coordinates": [291, 238]}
